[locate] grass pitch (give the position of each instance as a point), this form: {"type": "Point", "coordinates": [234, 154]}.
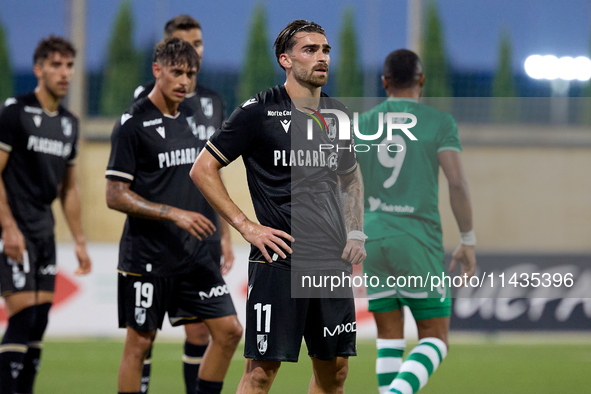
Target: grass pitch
{"type": "Point", "coordinates": [90, 367]}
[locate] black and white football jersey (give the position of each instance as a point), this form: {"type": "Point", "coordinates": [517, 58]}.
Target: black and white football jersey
{"type": "Point", "coordinates": [41, 145]}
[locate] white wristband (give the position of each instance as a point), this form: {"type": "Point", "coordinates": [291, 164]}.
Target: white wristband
{"type": "Point", "coordinates": [356, 234]}
{"type": "Point", "coordinates": [468, 238]}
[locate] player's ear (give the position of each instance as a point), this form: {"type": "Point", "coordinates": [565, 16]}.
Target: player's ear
{"type": "Point", "coordinates": [422, 80]}
{"type": "Point", "coordinates": [285, 60]}
{"type": "Point", "coordinates": [156, 69]}
{"type": "Point", "coordinates": [385, 83]}
{"type": "Point", "coordinates": [37, 69]}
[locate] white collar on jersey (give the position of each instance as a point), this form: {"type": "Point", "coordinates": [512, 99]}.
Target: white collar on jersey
{"type": "Point", "coordinates": [50, 113]}
{"type": "Point", "coordinates": [173, 117]}
{"type": "Point", "coordinates": [391, 98]}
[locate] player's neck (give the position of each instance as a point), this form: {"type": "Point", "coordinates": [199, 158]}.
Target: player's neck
{"type": "Point", "coordinates": [295, 89]}
{"type": "Point", "coordinates": [412, 93]}
{"type": "Point", "coordinates": [166, 106]}
{"type": "Point", "coordinates": [47, 100]}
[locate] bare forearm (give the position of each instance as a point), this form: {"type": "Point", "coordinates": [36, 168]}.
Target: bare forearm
{"type": "Point", "coordinates": [225, 229]}
{"type": "Point", "coordinates": [461, 206]}
{"type": "Point", "coordinates": [124, 200]}
{"type": "Point", "coordinates": [211, 186]}
{"type": "Point", "coordinates": [351, 190]}
{"type": "Point", "coordinates": [71, 206]}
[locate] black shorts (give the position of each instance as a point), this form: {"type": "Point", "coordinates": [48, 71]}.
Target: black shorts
{"type": "Point", "coordinates": [276, 322]}
{"type": "Point", "coordinates": [199, 295]}
{"type": "Point", "coordinates": [37, 273]}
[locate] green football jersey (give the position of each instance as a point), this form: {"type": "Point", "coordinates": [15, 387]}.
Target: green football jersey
{"type": "Point", "coordinates": [401, 188]}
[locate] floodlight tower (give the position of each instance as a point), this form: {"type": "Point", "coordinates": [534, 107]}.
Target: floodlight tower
{"type": "Point", "coordinates": [560, 73]}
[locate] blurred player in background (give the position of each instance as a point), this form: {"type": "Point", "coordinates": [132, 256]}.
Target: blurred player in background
{"type": "Point", "coordinates": [257, 131]}
{"type": "Point", "coordinates": [404, 229]}
{"type": "Point", "coordinates": [208, 114]}
{"type": "Point", "coordinates": [164, 266]}
{"type": "Point", "coordinates": [38, 147]}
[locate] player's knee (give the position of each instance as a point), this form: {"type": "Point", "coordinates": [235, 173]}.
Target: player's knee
{"type": "Point", "coordinates": [332, 376]}
{"type": "Point", "coordinates": [139, 343]}
{"type": "Point", "coordinates": [231, 335]}
{"type": "Point", "coordinates": [197, 334]}
{"type": "Point", "coordinates": [236, 333]}
{"type": "Point", "coordinates": [337, 378]}
{"type": "Point", "coordinates": [341, 375]}
{"type": "Point", "coordinates": [262, 376]}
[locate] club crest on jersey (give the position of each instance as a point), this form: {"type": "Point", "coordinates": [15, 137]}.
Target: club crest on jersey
{"type": "Point", "coordinates": [37, 120]}
{"type": "Point", "coordinates": [192, 125]}
{"type": "Point", "coordinates": [67, 126]}
{"type": "Point", "coordinates": [262, 343]}
{"type": "Point", "coordinates": [333, 161]}
{"type": "Point", "coordinates": [140, 316]}
{"type": "Point", "coordinates": [161, 131]}
{"type": "Point", "coordinates": [331, 130]}
{"type": "Point", "coordinates": [207, 106]}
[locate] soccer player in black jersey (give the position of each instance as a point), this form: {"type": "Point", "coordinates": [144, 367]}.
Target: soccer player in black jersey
{"type": "Point", "coordinates": [38, 147]}
{"type": "Point", "coordinates": [208, 109]}
{"type": "Point", "coordinates": [164, 267]}
{"type": "Point", "coordinates": [259, 131]}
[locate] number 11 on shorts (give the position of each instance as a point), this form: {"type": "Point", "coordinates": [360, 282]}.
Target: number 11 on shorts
{"type": "Point", "coordinates": [259, 307]}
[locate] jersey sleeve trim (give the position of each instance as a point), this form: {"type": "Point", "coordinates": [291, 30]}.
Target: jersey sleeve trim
{"type": "Point", "coordinates": [349, 171]}
{"type": "Point", "coordinates": [453, 148]}
{"type": "Point", "coordinates": [5, 147]}
{"type": "Point", "coordinates": [221, 158]}
{"type": "Point", "coordinates": [119, 174]}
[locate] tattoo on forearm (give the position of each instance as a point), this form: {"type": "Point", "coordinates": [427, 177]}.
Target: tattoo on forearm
{"type": "Point", "coordinates": [122, 199]}
{"type": "Point", "coordinates": [352, 197]}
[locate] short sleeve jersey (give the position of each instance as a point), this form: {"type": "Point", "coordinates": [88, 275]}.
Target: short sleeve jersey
{"type": "Point", "coordinates": [155, 153]}
{"type": "Point", "coordinates": [401, 185]}
{"type": "Point", "coordinates": [292, 184]}
{"type": "Point", "coordinates": [41, 145]}
{"type": "Point", "coordinates": [207, 109]}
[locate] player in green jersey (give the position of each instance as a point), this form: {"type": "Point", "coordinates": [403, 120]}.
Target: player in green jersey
{"type": "Point", "coordinates": [404, 229]}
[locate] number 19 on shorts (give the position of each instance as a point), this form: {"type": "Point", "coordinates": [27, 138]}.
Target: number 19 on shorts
{"type": "Point", "coordinates": [144, 293]}
{"type": "Point", "coordinates": [266, 309]}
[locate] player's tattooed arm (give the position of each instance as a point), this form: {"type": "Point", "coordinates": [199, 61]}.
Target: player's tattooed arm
{"type": "Point", "coordinates": [351, 190]}
{"type": "Point", "coordinates": [121, 198]}
{"type": "Point", "coordinates": [13, 239]}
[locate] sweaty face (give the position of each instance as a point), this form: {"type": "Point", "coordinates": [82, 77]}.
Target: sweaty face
{"type": "Point", "coordinates": [54, 73]}
{"type": "Point", "coordinates": [174, 81]}
{"type": "Point", "coordinates": [310, 58]}
{"type": "Point", "coordinates": [193, 37]}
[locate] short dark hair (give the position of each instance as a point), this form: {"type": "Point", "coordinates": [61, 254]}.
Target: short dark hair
{"type": "Point", "coordinates": [180, 22]}
{"type": "Point", "coordinates": [174, 51]}
{"type": "Point", "coordinates": [285, 41]}
{"type": "Point", "coordinates": [50, 45]}
{"type": "Point", "coordinates": [403, 68]}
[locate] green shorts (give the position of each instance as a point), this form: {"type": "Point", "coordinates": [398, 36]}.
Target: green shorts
{"type": "Point", "coordinates": [399, 271]}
